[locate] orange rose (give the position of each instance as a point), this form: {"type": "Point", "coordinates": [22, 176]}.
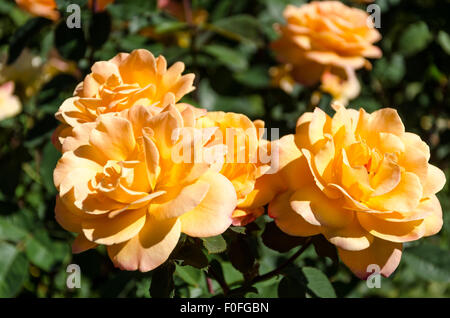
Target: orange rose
{"type": "Point", "coordinates": [10, 105]}
{"type": "Point", "coordinates": [325, 35]}
{"type": "Point", "coordinates": [42, 8]}
{"type": "Point", "coordinates": [120, 83]}
{"type": "Point", "coordinates": [120, 187]}
{"type": "Point", "coordinates": [242, 160]}
{"type": "Point", "coordinates": [361, 181]}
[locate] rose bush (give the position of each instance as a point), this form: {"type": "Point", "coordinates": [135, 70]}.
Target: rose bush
{"type": "Point", "coordinates": [152, 175]}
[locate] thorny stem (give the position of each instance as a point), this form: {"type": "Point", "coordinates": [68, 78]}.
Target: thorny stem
{"type": "Point", "coordinates": [209, 285]}
{"type": "Point", "coordinates": [223, 284]}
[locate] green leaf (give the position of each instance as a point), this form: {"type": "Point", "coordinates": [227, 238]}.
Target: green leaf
{"type": "Point", "coordinates": [318, 283]}
{"type": "Point", "coordinates": [215, 244]}
{"type": "Point", "coordinates": [189, 274]}
{"type": "Point", "coordinates": [70, 43]}
{"type": "Point", "coordinates": [443, 39]}
{"type": "Point", "coordinates": [62, 4]}
{"type": "Point", "coordinates": [256, 77]}
{"type": "Point", "coordinates": [275, 239]}
{"type": "Point", "coordinates": [232, 59]}
{"type": "Point", "coordinates": [12, 228]}
{"type": "Point", "coordinates": [241, 27]}
{"type": "Point", "coordinates": [143, 287]}
{"type": "Point", "coordinates": [24, 34]}
{"type": "Point", "coordinates": [252, 106]}
{"type": "Point", "coordinates": [169, 27]}
{"type": "Point", "coordinates": [206, 95]}
{"type": "Point", "coordinates": [162, 281]}
{"type": "Point", "coordinates": [191, 254]}
{"type": "Point", "coordinates": [13, 270]}
{"type": "Point", "coordinates": [415, 38]}
{"type": "Point", "coordinates": [39, 250]}
{"type": "Point", "coordinates": [429, 262]}
{"type": "Point", "coordinates": [238, 229]}
{"type": "Point", "coordinates": [390, 71]}
{"type": "Point", "coordinates": [50, 157]}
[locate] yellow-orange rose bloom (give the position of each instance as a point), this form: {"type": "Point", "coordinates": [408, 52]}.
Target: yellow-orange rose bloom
{"type": "Point", "coordinates": [41, 8]}
{"type": "Point", "coordinates": [10, 104]}
{"type": "Point", "coordinates": [120, 187]}
{"type": "Point", "coordinates": [242, 160]}
{"type": "Point", "coordinates": [361, 181]}
{"type": "Point", "coordinates": [131, 79]}
{"type": "Point", "coordinates": [325, 36]}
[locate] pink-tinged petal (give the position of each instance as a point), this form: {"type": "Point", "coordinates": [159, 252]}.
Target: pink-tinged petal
{"type": "Point", "coordinates": [288, 220]}
{"type": "Point", "coordinates": [213, 215]}
{"type": "Point", "coordinates": [150, 248]}
{"type": "Point", "coordinates": [7, 88]}
{"type": "Point", "coordinates": [107, 230]}
{"type": "Point", "coordinates": [435, 181]}
{"type": "Point", "coordinates": [179, 201]}
{"type": "Point", "coordinates": [242, 217]}
{"type": "Point", "coordinates": [81, 244]}
{"type": "Point", "coordinates": [114, 137]}
{"type": "Point", "coordinates": [385, 254]}
{"type": "Point", "coordinates": [405, 196]}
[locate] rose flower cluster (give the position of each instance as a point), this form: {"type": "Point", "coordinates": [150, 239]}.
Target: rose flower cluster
{"type": "Point", "coordinates": [118, 181]}
{"type": "Point", "coordinates": [139, 167]}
